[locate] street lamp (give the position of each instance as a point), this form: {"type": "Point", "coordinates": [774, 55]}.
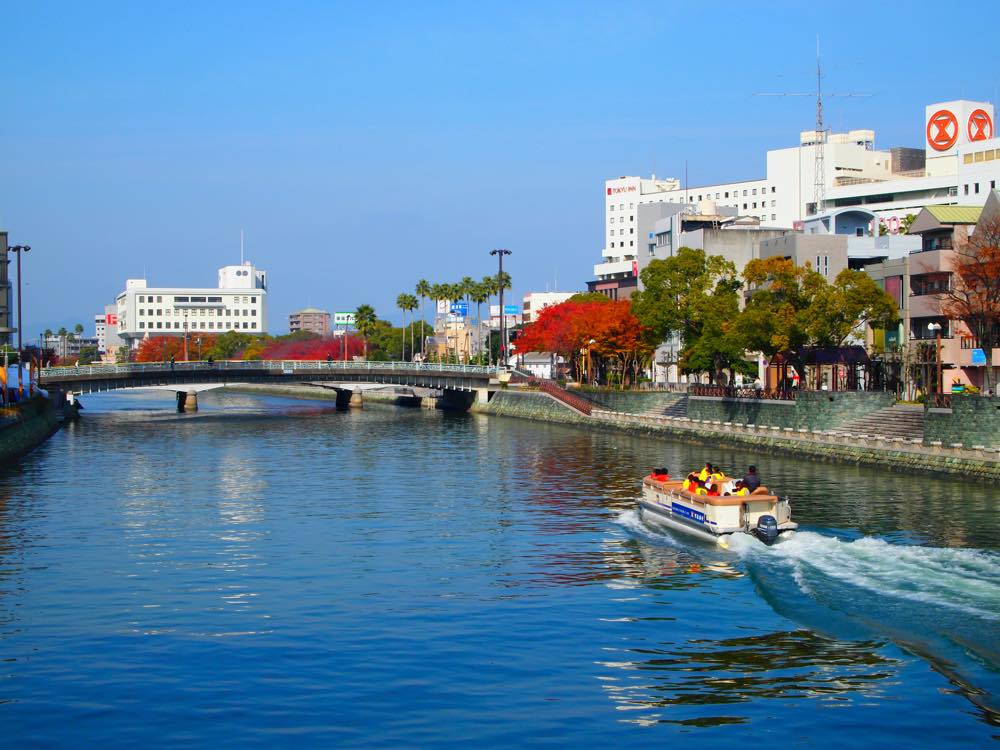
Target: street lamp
{"type": "Point", "coordinates": [185, 335]}
{"type": "Point", "coordinates": [500, 252]}
{"type": "Point", "coordinates": [936, 328]}
{"type": "Point", "coordinates": [18, 249]}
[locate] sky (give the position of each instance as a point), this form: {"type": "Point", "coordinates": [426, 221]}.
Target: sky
{"type": "Point", "coordinates": [364, 146]}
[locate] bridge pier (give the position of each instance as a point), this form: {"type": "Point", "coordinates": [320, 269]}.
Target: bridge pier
{"type": "Point", "coordinates": [187, 401]}
{"type": "Point", "coordinates": [357, 399]}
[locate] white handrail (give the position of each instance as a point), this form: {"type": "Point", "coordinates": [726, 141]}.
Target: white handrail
{"type": "Point", "coordinates": [272, 364]}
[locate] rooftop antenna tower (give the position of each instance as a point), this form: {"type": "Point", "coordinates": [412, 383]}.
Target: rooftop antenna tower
{"type": "Point", "coordinates": [819, 170]}
{"type": "Point", "coordinates": [241, 246]}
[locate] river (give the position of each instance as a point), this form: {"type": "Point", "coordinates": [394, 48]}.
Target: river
{"type": "Point", "coordinates": [269, 572]}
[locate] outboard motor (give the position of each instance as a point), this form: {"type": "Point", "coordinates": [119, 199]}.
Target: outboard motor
{"type": "Point", "coordinates": [767, 529]}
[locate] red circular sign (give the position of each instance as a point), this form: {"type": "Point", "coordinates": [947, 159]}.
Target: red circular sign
{"type": "Point", "coordinates": [980, 125]}
{"type": "Point", "coordinates": [942, 130]}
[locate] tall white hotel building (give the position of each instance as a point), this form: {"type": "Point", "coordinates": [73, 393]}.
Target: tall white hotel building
{"type": "Point", "coordinates": [238, 303]}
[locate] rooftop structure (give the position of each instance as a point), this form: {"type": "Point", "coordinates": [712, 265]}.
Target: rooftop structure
{"type": "Point", "coordinates": [310, 319]}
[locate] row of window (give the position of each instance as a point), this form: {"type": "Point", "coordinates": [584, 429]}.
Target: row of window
{"type": "Point", "coordinates": [630, 218]}
{"type": "Point", "coordinates": [718, 196]}
{"type": "Point", "coordinates": [975, 187]}
{"type": "Point", "coordinates": [159, 298]}
{"type": "Point", "coordinates": [221, 312]}
{"type": "Point", "coordinates": [977, 156]}
{"type": "Point", "coordinates": [198, 325]}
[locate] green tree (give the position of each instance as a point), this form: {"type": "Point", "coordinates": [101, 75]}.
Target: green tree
{"type": "Point", "coordinates": [589, 297]}
{"type": "Point", "coordinates": [694, 296]}
{"type": "Point", "coordinates": [411, 305]}
{"type": "Point", "coordinates": [793, 307]}
{"type": "Point", "coordinates": [78, 330]}
{"type": "Point", "coordinates": [364, 321]}
{"type": "Point", "coordinates": [227, 345]}
{"type": "Point", "coordinates": [480, 294]}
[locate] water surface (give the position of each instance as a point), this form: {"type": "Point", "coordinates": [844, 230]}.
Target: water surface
{"type": "Point", "coordinates": [268, 572]}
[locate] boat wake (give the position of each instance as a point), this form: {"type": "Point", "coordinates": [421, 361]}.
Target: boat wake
{"type": "Point", "coordinates": [961, 580]}
{"type": "Point", "coordinates": [940, 604]}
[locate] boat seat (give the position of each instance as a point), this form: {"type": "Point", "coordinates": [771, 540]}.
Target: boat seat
{"type": "Point", "coordinates": [762, 490]}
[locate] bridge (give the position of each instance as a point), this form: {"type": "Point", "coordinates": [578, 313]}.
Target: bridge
{"type": "Point", "coordinates": [186, 378]}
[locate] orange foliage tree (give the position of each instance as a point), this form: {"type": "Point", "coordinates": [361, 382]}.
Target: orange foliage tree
{"type": "Point", "coordinates": [597, 338]}
{"type": "Point", "coordinates": [973, 295]}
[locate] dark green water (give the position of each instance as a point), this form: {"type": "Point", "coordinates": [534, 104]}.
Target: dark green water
{"type": "Point", "coordinates": [273, 573]}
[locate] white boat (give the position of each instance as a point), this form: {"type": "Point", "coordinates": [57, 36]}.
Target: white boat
{"type": "Point", "coordinates": [714, 518]}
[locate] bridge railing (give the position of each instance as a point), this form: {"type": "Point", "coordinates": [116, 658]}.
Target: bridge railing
{"type": "Point", "coordinates": [288, 366]}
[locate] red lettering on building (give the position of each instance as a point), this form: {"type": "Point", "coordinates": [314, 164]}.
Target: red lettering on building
{"type": "Point", "coordinates": [980, 125]}
{"type": "Point", "coordinates": [942, 130]}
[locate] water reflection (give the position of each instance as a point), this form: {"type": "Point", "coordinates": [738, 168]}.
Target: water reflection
{"type": "Point", "coordinates": [785, 665]}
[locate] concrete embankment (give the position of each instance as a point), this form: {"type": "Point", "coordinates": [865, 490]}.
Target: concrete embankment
{"type": "Point", "coordinates": [25, 426]}
{"type": "Point", "coordinates": [894, 454]}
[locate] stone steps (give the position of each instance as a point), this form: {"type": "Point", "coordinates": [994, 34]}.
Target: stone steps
{"type": "Point", "coordinates": [897, 421]}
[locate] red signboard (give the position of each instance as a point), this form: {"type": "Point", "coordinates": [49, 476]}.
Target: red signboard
{"type": "Point", "coordinates": [942, 130]}
{"type": "Point", "coordinates": [111, 319]}
{"type": "Point", "coordinates": [980, 125]}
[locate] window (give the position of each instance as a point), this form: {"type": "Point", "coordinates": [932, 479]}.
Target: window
{"type": "Point", "coordinates": [773, 217]}
{"type": "Point", "coordinates": [159, 312]}
{"type": "Point", "coordinates": [716, 196]}
{"type": "Point", "coordinates": [621, 206]}
{"type": "Point", "coordinates": [159, 298]}
{"type": "Point", "coordinates": [612, 219]}
{"type": "Point", "coordinates": [182, 299]}
{"type": "Point", "coordinates": [774, 203]}
{"type": "Point", "coordinates": [177, 325]}
{"type": "Point", "coordinates": [630, 218]}
{"type": "Point", "coordinates": [773, 189]}
{"type": "Point", "coordinates": [197, 299]}
{"type": "Point", "coordinates": [755, 203]}
{"type": "Point", "coordinates": [754, 191]}
{"type": "Point", "coordinates": [253, 325]}
{"type": "Point", "coordinates": [215, 299]}
{"type": "Point", "coordinates": [744, 205]}
{"type": "Point", "coordinates": [966, 189]}
{"type": "Point", "coordinates": [727, 193]}
{"type": "Point", "coordinates": [631, 206]}
{"type": "Point", "coordinates": [246, 325]}
{"type": "Point", "coordinates": [621, 232]}
{"type": "Point", "coordinates": [142, 298]}
{"type": "Point", "coordinates": [859, 232]}
{"type": "Point", "coordinates": [631, 243]}
{"type": "Point", "coordinates": [976, 186]}
{"type": "Point", "coordinates": [631, 230]}
{"type": "Point", "coordinates": [993, 184]}
{"type": "Point", "coordinates": [141, 324]}
{"type": "Point", "coordinates": [159, 325]}
{"type": "Point", "coordinates": [612, 206]}
{"type": "Point", "coordinates": [254, 312]}
{"type": "Point", "coordinates": [744, 193]}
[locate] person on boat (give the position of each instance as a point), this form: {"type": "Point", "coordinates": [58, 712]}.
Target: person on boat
{"type": "Point", "coordinates": [661, 475]}
{"type": "Point", "coordinates": [705, 473]}
{"type": "Point", "coordinates": [741, 489]}
{"type": "Point", "coordinates": [717, 475]}
{"type": "Point", "coordinates": [690, 483]}
{"type": "Point", "coordinates": [751, 480]}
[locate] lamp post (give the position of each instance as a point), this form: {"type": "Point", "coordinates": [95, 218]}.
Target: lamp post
{"type": "Point", "coordinates": [936, 328]}
{"type": "Point", "coordinates": [185, 335]}
{"type": "Point", "coordinates": [500, 252]}
{"type": "Point", "coordinates": [18, 249]}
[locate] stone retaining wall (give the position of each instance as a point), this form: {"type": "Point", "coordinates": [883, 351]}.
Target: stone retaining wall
{"type": "Point", "coordinates": [529, 405]}
{"type": "Point", "coordinates": [971, 421]}
{"type": "Point", "coordinates": [634, 402]}
{"type": "Point", "coordinates": [812, 410]}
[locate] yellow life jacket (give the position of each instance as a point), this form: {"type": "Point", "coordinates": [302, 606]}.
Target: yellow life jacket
{"type": "Point", "coordinates": [700, 491]}
{"type": "Point", "coordinates": [743, 491]}
{"type": "Point", "coordinates": [703, 474]}
{"type": "Point", "coordinates": [718, 476]}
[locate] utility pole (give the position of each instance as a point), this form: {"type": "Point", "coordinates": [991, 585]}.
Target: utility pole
{"type": "Point", "coordinates": [500, 252]}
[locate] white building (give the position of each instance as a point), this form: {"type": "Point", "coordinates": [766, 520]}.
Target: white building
{"type": "Point", "coordinates": [960, 160]}
{"type": "Point", "coordinates": [239, 303]}
{"type": "Point", "coordinates": [535, 302]}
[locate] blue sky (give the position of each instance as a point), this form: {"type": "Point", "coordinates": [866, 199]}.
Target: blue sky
{"type": "Point", "coordinates": [364, 146]}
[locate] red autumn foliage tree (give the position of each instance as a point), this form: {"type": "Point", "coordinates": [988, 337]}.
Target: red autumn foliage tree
{"type": "Point", "coordinates": [597, 337]}
{"type": "Point", "coordinates": [162, 348]}
{"type": "Point", "coordinates": [316, 349]}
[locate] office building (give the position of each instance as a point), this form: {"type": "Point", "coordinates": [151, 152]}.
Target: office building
{"type": "Point", "coordinates": [535, 302]}
{"type": "Point", "coordinates": [310, 319]}
{"type": "Point", "coordinates": [238, 303]}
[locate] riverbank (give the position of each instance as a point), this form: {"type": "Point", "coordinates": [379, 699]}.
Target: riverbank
{"type": "Point", "coordinates": [25, 426]}
{"type": "Point", "coordinates": [895, 454]}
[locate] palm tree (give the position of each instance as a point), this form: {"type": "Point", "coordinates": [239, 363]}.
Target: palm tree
{"type": "Point", "coordinates": [480, 294]}
{"type": "Point", "coordinates": [490, 287]}
{"type": "Point", "coordinates": [411, 305]}
{"type": "Point", "coordinates": [62, 333]}
{"type": "Point", "coordinates": [364, 321]}
{"type": "Point", "coordinates": [456, 292]}
{"type": "Point", "coordinates": [423, 291]}
{"type": "Point", "coordinates": [78, 329]}
{"type": "Point", "coordinates": [402, 300]}
{"type": "Point", "coordinates": [437, 293]}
